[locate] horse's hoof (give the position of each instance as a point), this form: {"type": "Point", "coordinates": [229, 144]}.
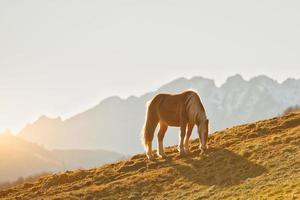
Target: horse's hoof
{"type": "Point", "coordinates": [187, 152]}
{"type": "Point", "coordinates": [162, 155]}
{"type": "Point", "coordinates": [150, 157]}
{"type": "Point", "coordinates": [182, 153]}
{"type": "Point", "coordinates": [203, 152]}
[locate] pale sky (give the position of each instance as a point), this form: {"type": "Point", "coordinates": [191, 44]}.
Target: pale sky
{"type": "Point", "coordinates": [61, 57]}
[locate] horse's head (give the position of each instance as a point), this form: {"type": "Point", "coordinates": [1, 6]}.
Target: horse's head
{"type": "Point", "coordinates": [203, 134]}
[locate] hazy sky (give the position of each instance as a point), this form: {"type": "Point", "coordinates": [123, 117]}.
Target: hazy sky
{"type": "Point", "coordinates": [60, 57]}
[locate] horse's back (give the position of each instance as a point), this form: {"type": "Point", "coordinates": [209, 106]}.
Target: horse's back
{"type": "Point", "coordinates": [157, 99]}
{"type": "Point", "coordinates": [175, 95]}
{"type": "Point", "coordinates": [173, 98]}
{"type": "Point", "coordinates": [170, 108]}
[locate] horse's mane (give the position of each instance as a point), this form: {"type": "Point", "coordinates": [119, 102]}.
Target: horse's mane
{"type": "Point", "coordinates": [194, 107]}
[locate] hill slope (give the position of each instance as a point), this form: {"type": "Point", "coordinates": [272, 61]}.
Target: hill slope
{"type": "Point", "coordinates": [20, 158]}
{"type": "Point", "coordinates": [237, 101]}
{"type": "Point", "coordinates": [257, 160]}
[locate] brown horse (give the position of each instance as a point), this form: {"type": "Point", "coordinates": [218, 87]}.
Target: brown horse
{"type": "Point", "coordinates": [183, 110]}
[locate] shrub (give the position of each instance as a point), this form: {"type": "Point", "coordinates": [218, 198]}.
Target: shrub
{"type": "Point", "coordinates": [291, 109]}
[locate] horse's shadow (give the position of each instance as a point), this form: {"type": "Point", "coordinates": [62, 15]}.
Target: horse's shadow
{"type": "Point", "coordinates": [219, 167]}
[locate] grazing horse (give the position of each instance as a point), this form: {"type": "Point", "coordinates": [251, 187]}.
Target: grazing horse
{"type": "Point", "coordinates": [183, 110]}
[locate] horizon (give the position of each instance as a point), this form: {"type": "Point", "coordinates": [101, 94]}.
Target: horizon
{"type": "Point", "coordinates": [59, 58]}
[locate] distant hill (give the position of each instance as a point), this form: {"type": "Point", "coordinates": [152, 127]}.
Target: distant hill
{"type": "Point", "coordinates": [20, 158]}
{"type": "Point", "coordinates": [253, 161]}
{"type": "Point", "coordinates": [115, 124]}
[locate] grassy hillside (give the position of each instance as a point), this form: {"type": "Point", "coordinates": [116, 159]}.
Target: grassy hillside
{"type": "Point", "coordinates": [253, 161]}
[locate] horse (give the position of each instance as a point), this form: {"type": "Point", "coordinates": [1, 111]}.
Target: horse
{"type": "Point", "coordinates": [184, 110]}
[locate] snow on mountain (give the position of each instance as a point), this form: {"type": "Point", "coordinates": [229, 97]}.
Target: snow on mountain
{"type": "Point", "coordinates": [115, 124]}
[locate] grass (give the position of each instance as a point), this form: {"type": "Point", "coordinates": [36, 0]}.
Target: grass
{"type": "Point", "coordinates": [253, 161]}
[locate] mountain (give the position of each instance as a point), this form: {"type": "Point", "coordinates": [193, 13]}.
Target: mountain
{"type": "Point", "coordinates": [20, 158]}
{"type": "Point", "coordinates": [115, 124]}
{"type": "Point", "coordinates": [253, 161]}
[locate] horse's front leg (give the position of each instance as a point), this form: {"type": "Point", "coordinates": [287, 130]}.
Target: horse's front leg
{"type": "Point", "coordinates": [187, 138]}
{"type": "Point", "coordinates": [181, 138]}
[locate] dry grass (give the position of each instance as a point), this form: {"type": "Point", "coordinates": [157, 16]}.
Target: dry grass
{"type": "Point", "coordinates": [253, 161]}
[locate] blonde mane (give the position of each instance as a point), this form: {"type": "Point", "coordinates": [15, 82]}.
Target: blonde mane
{"type": "Point", "coordinates": [195, 109]}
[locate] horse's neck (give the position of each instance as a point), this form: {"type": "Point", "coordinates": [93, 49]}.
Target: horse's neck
{"type": "Point", "coordinates": [202, 117]}
{"type": "Point", "coordinates": [196, 109]}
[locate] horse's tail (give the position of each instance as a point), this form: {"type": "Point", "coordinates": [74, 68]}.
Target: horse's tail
{"type": "Point", "coordinates": [149, 126]}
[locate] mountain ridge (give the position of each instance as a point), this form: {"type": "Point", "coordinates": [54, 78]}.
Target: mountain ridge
{"type": "Point", "coordinates": [22, 158]}
{"type": "Point", "coordinates": [289, 81]}
{"type": "Point", "coordinates": [234, 102]}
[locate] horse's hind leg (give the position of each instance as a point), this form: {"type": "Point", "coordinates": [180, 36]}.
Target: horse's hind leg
{"type": "Point", "coordinates": [160, 137]}
{"type": "Point", "coordinates": [151, 130]}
